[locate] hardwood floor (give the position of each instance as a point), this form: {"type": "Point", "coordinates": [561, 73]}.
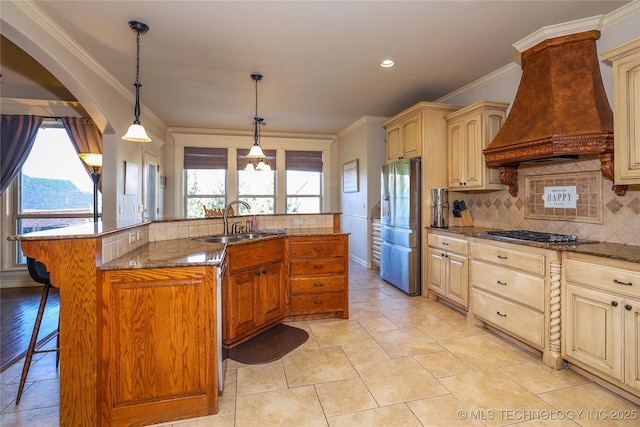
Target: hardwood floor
{"type": "Point", "coordinates": [18, 308]}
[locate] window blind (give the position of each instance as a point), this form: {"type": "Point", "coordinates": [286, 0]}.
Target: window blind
{"type": "Point", "coordinates": [308, 161]}
{"type": "Point", "coordinates": [205, 158]}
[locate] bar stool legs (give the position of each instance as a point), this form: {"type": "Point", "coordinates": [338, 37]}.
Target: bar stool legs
{"type": "Point", "coordinates": [33, 348]}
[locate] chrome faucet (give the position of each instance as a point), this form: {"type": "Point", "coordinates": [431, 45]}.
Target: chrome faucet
{"type": "Point", "coordinates": [225, 215]}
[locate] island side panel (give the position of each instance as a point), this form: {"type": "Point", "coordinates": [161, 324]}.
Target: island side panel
{"type": "Point", "coordinates": [72, 267]}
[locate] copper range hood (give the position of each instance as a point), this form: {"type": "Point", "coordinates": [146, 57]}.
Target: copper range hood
{"type": "Point", "coordinates": [560, 109]}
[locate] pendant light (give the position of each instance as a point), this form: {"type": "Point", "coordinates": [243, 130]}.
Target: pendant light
{"type": "Point", "coordinates": [256, 151]}
{"type": "Point", "coordinates": [136, 132]}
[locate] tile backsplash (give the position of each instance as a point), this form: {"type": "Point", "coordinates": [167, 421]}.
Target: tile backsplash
{"type": "Point", "coordinates": [498, 209]}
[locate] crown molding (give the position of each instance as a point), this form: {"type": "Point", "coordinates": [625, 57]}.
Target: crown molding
{"type": "Point", "coordinates": [361, 121]}
{"type": "Point", "coordinates": [621, 14]}
{"type": "Point", "coordinates": [481, 82]}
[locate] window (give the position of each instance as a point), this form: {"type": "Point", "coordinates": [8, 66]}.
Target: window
{"type": "Point", "coordinates": [206, 179]}
{"type": "Point", "coordinates": [53, 188]}
{"type": "Point", "coordinates": [303, 181]}
{"type": "Point", "coordinates": [258, 188]}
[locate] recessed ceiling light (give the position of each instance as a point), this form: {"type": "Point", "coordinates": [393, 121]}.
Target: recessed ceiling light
{"type": "Point", "coordinates": [387, 63]}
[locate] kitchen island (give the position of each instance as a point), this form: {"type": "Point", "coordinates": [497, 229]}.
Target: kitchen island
{"type": "Point", "coordinates": [152, 310]}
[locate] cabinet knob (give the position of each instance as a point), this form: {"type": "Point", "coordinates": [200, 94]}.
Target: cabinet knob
{"type": "Point", "coordinates": [614, 303]}
{"type": "Point", "coordinates": [501, 283]}
{"type": "Point", "coordinates": [628, 307]}
{"type": "Point", "coordinates": [317, 285]}
{"type": "Point", "coordinates": [318, 249]}
{"type": "Point", "coordinates": [264, 271]}
{"type": "Point", "coordinates": [618, 282]}
{"type": "Point", "coordinates": [501, 314]}
{"type": "Point", "coordinates": [318, 266]}
{"type": "Point", "coordinates": [257, 273]}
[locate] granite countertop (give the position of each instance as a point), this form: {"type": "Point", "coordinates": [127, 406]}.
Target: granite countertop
{"type": "Point", "coordinates": [617, 251]}
{"type": "Point", "coordinates": [193, 252]}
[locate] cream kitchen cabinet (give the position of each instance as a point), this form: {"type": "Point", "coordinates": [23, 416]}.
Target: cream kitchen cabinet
{"type": "Point", "coordinates": [626, 110]}
{"type": "Point", "coordinates": [470, 130]}
{"type": "Point", "coordinates": [410, 131]}
{"type": "Point", "coordinates": [601, 319]}
{"type": "Point", "coordinates": [448, 272]}
{"type": "Point", "coordinates": [516, 290]}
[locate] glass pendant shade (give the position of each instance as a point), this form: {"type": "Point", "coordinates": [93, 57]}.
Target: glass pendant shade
{"type": "Point", "coordinates": [262, 166]}
{"type": "Point", "coordinates": [91, 159]}
{"type": "Point", "coordinates": [256, 152]}
{"type": "Point", "coordinates": [249, 167]}
{"type": "Point", "coordinates": [136, 133]}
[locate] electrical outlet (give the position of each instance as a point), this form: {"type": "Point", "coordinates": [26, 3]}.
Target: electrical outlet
{"type": "Point", "coordinates": [132, 238]}
{"type": "Point", "coordinates": [311, 221]}
{"type": "Point", "coordinates": [297, 222]}
{"type": "Point", "coordinates": [120, 209]}
{"type": "Point", "coordinates": [138, 236]}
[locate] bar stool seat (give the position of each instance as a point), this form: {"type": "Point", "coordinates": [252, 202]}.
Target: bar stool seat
{"type": "Point", "coordinates": [38, 272]}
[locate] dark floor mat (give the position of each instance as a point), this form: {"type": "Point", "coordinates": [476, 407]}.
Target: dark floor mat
{"type": "Point", "coordinates": [270, 345]}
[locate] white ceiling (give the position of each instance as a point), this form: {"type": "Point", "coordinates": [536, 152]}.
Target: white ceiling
{"type": "Point", "coordinates": [319, 58]}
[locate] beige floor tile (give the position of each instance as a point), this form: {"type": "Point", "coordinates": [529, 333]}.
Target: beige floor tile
{"type": "Point", "coordinates": [405, 342]}
{"type": "Point", "coordinates": [210, 421]}
{"type": "Point", "coordinates": [389, 416]}
{"type": "Point", "coordinates": [538, 378]}
{"type": "Point", "coordinates": [339, 332]}
{"type": "Point", "coordinates": [293, 407]}
{"type": "Point", "coordinates": [598, 406]}
{"type": "Point", "coordinates": [442, 364]}
{"type": "Point", "coordinates": [227, 401]}
{"type": "Point", "coordinates": [554, 419]}
{"type": "Point", "coordinates": [45, 417]}
{"type": "Point", "coordinates": [481, 352]}
{"type": "Point", "coordinates": [362, 310]}
{"type": "Point", "coordinates": [448, 328]}
{"type": "Point", "coordinates": [443, 410]}
{"type": "Point", "coordinates": [340, 397]}
{"type": "Point", "coordinates": [32, 396]}
{"type": "Point", "coordinates": [261, 378]}
{"type": "Point", "coordinates": [387, 304]}
{"type": "Point", "coordinates": [317, 365]}
{"type": "Point", "coordinates": [492, 396]}
{"type": "Point", "coordinates": [399, 380]}
{"type": "Point", "coordinates": [365, 352]}
{"type": "Point", "coordinates": [376, 324]}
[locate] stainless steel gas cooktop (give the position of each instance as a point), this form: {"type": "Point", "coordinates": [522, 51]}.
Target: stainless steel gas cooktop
{"type": "Point", "coordinates": [535, 236]}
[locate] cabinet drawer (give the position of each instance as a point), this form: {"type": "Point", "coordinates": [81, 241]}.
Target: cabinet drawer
{"type": "Point", "coordinates": [311, 285]}
{"type": "Point", "coordinates": [319, 303]}
{"type": "Point", "coordinates": [249, 255]}
{"type": "Point", "coordinates": [318, 266]}
{"type": "Point", "coordinates": [520, 287]}
{"type": "Point", "coordinates": [312, 247]}
{"type": "Point", "coordinates": [603, 277]}
{"type": "Point", "coordinates": [448, 244]}
{"type": "Point", "coordinates": [509, 317]}
{"type": "Point", "coordinates": [529, 262]}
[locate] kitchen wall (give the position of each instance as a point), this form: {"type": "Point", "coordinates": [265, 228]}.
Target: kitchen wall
{"type": "Point", "coordinates": [364, 140]}
{"type": "Point", "coordinates": [621, 215]}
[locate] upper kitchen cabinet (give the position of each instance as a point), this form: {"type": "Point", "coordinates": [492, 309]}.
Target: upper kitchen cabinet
{"type": "Point", "coordinates": [470, 130]}
{"type": "Point", "coordinates": [409, 131]}
{"type": "Point", "coordinates": [626, 109]}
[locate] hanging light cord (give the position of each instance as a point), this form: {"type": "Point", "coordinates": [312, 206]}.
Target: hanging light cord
{"type": "Point", "coordinates": [257, 121]}
{"type": "Point", "coordinates": [137, 84]}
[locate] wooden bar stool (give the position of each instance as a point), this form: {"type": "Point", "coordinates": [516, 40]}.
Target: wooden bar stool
{"type": "Point", "coordinates": [38, 272]}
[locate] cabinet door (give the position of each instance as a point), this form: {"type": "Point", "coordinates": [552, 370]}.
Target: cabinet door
{"type": "Point", "coordinates": [456, 153]}
{"type": "Point", "coordinates": [242, 304]}
{"type": "Point", "coordinates": [457, 279]}
{"type": "Point", "coordinates": [437, 271]}
{"type": "Point", "coordinates": [594, 330]}
{"type": "Point", "coordinates": [473, 159]}
{"type": "Point", "coordinates": [627, 128]}
{"type": "Point", "coordinates": [394, 143]}
{"type": "Point", "coordinates": [632, 342]}
{"type": "Point", "coordinates": [272, 293]}
{"type": "Point", "coordinates": [411, 142]}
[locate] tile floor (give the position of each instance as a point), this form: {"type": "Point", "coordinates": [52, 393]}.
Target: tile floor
{"type": "Point", "coordinates": [397, 361]}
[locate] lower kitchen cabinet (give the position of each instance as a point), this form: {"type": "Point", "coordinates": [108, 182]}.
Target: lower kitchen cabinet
{"type": "Point", "coordinates": [515, 289]}
{"type": "Point", "coordinates": [254, 292]}
{"type": "Point", "coordinates": [448, 271]}
{"type": "Point", "coordinates": [601, 319]}
{"type": "Point", "coordinates": [318, 276]}
{"type": "Point", "coordinates": [158, 345]}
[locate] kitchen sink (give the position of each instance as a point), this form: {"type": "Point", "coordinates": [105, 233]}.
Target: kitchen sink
{"type": "Point", "coordinates": [230, 238]}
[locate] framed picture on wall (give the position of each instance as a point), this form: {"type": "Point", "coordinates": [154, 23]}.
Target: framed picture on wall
{"type": "Point", "coordinates": [350, 177]}
{"type": "Point", "coordinates": [130, 178]}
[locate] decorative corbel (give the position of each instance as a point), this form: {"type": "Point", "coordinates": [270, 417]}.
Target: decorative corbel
{"type": "Point", "coordinates": [509, 176]}
{"type": "Point", "coordinates": [606, 166]}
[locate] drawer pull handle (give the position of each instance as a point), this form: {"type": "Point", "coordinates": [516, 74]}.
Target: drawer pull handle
{"type": "Point", "coordinates": [257, 273]}
{"type": "Point", "coordinates": [318, 266]}
{"type": "Point", "coordinates": [445, 244]}
{"type": "Point", "coordinates": [264, 271]}
{"type": "Point", "coordinates": [614, 303]}
{"type": "Point", "coordinates": [501, 314]}
{"type": "Point", "coordinates": [318, 302]}
{"type": "Point", "coordinates": [318, 249]}
{"type": "Point", "coordinates": [501, 283]}
{"type": "Point", "coordinates": [502, 257]}
{"type": "Point", "coordinates": [317, 285]}
{"type": "Point", "coordinates": [616, 281]}
{"type": "Point", "coordinates": [628, 307]}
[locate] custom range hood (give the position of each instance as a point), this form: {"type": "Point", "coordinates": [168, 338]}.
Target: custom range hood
{"type": "Point", "coordinates": [560, 110]}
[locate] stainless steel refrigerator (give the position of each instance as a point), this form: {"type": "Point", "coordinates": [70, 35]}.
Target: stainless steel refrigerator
{"type": "Point", "coordinates": [400, 233]}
